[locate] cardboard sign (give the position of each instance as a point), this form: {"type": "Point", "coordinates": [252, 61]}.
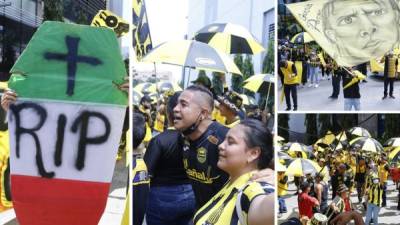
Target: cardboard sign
{"type": "Point", "coordinates": [66, 124]}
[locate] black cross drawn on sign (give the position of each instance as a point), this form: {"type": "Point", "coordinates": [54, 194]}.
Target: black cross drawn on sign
{"type": "Point", "coordinates": [72, 58]}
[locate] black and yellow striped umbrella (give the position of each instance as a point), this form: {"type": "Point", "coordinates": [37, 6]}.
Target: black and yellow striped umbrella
{"type": "Point", "coordinates": [394, 155]}
{"type": "Point", "coordinates": [165, 85]}
{"type": "Point", "coordinates": [359, 132]}
{"type": "Point", "coordinates": [192, 54]}
{"type": "Point", "coordinates": [229, 38]}
{"type": "Point", "coordinates": [366, 144]}
{"type": "Point", "coordinates": [301, 38]}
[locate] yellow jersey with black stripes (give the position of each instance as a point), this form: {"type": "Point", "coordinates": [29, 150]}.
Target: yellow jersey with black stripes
{"type": "Point", "coordinates": [221, 209]}
{"type": "Point", "coordinates": [375, 194]}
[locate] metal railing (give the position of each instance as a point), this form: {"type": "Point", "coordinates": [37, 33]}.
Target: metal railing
{"type": "Point", "coordinates": [21, 15]}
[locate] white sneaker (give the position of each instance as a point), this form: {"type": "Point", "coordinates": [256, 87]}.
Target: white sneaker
{"type": "Point", "coordinates": [310, 85]}
{"type": "Point", "coordinates": [316, 85]}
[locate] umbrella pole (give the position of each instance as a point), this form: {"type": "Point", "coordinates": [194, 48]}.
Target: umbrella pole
{"type": "Point", "coordinates": [266, 101]}
{"type": "Point", "coordinates": [157, 91]}
{"type": "Point", "coordinates": [183, 77]}
{"type": "Point", "coordinates": [188, 80]}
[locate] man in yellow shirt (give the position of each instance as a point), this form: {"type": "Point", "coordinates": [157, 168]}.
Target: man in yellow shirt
{"type": "Point", "coordinates": [230, 105]}
{"type": "Point", "coordinates": [288, 71]}
{"type": "Point", "coordinates": [383, 171]}
{"type": "Point", "coordinates": [282, 190]}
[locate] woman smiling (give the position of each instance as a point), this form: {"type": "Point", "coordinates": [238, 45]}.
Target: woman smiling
{"type": "Point", "coordinates": [246, 149]}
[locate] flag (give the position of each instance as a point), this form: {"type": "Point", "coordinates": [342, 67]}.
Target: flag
{"type": "Point", "coordinates": [105, 18]}
{"type": "Point", "coordinates": [345, 32]}
{"type": "Point", "coordinates": [357, 77]}
{"type": "Point", "coordinates": [66, 124]}
{"type": "Point", "coordinates": [141, 33]}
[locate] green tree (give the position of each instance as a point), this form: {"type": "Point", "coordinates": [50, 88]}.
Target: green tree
{"type": "Point", "coordinates": [217, 83]}
{"type": "Point", "coordinates": [324, 121]}
{"type": "Point", "coordinates": [283, 126]}
{"type": "Point", "coordinates": [82, 17]}
{"type": "Point", "coordinates": [248, 70]}
{"type": "Point", "coordinates": [53, 10]}
{"type": "Point", "coordinates": [268, 62]}
{"type": "Point", "coordinates": [392, 128]}
{"type": "Point", "coordinates": [310, 122]}
{"type": "Point", "coordinates": [237, 80]}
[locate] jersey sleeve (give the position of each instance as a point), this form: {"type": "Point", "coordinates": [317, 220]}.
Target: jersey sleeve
{"type": "Point", "coordinates": [152, 155]}
{"type": "Point", "coordinates": [250, 192]}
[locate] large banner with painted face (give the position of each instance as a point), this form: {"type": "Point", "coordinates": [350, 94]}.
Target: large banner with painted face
{"type": "Point", "coordinates": [66, 124]}
{"type": "Point", "coordinates": [352, 31]}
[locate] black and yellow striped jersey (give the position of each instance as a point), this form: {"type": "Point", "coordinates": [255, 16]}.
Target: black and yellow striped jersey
{"type": "Point", "coordinates": [140, 190]}
{"type": "Point", "coordinates": [221, 209]}
{"type": "Point", "coordinates": [375, 194]}
{"type": "Point", "coordinates": [200, 158]}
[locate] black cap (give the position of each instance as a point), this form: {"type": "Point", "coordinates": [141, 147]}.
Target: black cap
{"type": "Point", "coordinates": [203, 80]}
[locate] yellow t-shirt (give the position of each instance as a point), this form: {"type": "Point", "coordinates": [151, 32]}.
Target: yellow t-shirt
{"type": "Point", "coordinates": [216, 115]}
{"type": "Point", "coordinates": [5, 203]}
{"type": "Point", "coordinates": [282, 185]}
{"type": "Point", "coordinates": [220, 210]}
{"type": "Point", "coordinates": [159, 123]}
{"type": "Point", "coordinates": [383, 173]}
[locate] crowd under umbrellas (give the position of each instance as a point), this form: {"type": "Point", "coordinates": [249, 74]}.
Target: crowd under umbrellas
{"type": "Point", "coordinates": [209, 50]}
{"type": "Point", "coordinates": [332, 156]}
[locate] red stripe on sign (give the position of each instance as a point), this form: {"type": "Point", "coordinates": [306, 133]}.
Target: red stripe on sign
{"type": "Point", "coordinates": [41, 201]}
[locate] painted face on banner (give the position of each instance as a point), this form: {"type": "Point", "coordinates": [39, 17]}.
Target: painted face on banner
{"type": "Point", "coordinates": [362, 28]}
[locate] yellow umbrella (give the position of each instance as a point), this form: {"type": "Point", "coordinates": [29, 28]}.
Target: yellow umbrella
{"type": "Point", "coordinates": [192, 54]}
{"type": "Point", "coordinates": [254, 82]}
{"type": "Point", "coordinates": [293, 149]}
{"type": "Point", "coordinates": [301, 167]}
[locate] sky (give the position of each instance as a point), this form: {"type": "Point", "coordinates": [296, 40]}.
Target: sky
{"type": "Point", "coordinates": [168, 21]}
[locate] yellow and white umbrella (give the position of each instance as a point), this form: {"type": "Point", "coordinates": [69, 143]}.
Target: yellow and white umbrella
{"type": "Point", "coordinates": [301, 167]}
{"type": "Point", "coordinates": [293, 149]}
{"type": "Point", "coordinates": [145, 88]}
{"type": "Point", "coordinates": [366, 144]}
{"type": "Point", "coordinates": [229, 38]}
{"type": "Point", "coordinates": [359, 132]}
{"type": "Point", "coordinates": [192, 54]}
{"type": "Point", "coordinates": [247, 100]}
{"type": "Point", "coordinates": [163, 86]}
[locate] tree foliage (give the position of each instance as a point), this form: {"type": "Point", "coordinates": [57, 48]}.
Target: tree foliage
{"type": "Point", "coordinates": [53, 10]}
{"type": "Point", "coordinates": [283, 126]}
{"type": "Point", "coordinates": [310, 123]}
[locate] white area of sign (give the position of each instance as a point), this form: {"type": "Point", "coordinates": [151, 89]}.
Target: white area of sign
{"type": "Point", "coordinates": [100, 158]}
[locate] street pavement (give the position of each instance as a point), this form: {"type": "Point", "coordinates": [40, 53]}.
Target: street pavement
{"type": "Point", "coordinates": [115, 202]}
{"type": "Point", "coordinates": [316, 99]}
{"type": "Point", "coordinates": [388, 215]}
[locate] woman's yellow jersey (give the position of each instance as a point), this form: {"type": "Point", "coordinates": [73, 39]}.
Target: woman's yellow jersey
{"type": "Point", "coordinates": [221, 210]}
